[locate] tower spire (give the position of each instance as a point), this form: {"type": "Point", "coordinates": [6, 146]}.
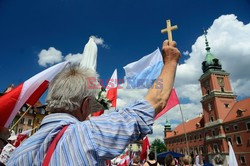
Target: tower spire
{"type": "Point", "coordinates": [210, 61]}
{"type": "Point", "coordinates": [206, 41]}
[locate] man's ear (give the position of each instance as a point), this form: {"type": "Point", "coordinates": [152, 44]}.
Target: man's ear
{"type": "Point", "coordinates": [85, 105]}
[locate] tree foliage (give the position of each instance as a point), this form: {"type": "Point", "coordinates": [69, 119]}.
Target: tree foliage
{"type": "Point", "coordinates": [159, 145]}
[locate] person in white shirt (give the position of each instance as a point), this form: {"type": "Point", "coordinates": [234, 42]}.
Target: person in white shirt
{"type": "Point", "coordinates": [8, 149]}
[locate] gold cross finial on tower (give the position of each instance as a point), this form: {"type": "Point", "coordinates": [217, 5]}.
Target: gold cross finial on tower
{"type": "Point", "coordinates": [169, 30]}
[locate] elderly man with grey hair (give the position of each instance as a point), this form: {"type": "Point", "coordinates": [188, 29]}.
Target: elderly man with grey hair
{"type": "Point", "coordinates": [79, 140]}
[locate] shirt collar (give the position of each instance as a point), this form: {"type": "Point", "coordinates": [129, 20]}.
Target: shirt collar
{"type": "Point", "coordinates": [63, 118]}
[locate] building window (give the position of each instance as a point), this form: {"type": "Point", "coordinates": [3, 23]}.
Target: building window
{"type": "Point", "coordinates": [195, 137]}
{"type": "Point", "coordinates": [30, 122]}
{"type": "Point", "coordinates": [222, 89]}
{"type": "Point", "coordinates": [213, 132]}
{"type": "Point", "coordinates": [227, 128]}
{"type": "Point", "coordinates": [238, 140]}
{"type": "Point", "coordinates": [248, 125]}
{"type": "Point", "coordinates": [20, 130]}
{"type": "Point", "coordinates": [190, 138]}
{"type": "Point", "coordinates": [22, 121]}
{"type": "Point", "coordinates": [211, 118]}
{"type": "Point", "coordinates": [31, 111]}
{"type": "Point", "coordinates": [201, 150]}
{"type": "Point", "coordinates": [23, 108]}
{"type": "Point", "coordinates": [200, 136]}
{"type": "Point", "coordinates": [242, 160]}
{"type": "Point", "coordinates": [235, 127]}
{"type": "Point", "coordinates": [240, 112]}
{"type": "Point", "coordinates": [229, 139]}
{"type": "Point", "coordinates": [216, 148]}
{"type": "Point", "coordinates": [226, 105]}
{"type": "Point", "coordinates": [196, 150]}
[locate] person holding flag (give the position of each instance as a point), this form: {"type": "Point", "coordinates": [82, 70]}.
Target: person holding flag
{"type": "Point", "coordinates": [67, 136]}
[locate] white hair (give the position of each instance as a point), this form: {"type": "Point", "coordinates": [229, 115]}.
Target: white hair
{"type": "Point", "coordinates": [69, 88]}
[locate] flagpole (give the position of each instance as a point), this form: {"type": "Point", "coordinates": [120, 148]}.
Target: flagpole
{"type": "Point", "coordinates": [21, 118]}
{"type": "Point", "coordinates": [184, 128]}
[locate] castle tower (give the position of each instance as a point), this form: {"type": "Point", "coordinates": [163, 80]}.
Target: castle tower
{"type": "Point", "coordinates": [167, 128]}
{"type": "Point", "coordinates": [217, 95]}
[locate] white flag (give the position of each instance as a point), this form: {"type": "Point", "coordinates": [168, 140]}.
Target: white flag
{"type": "Point", "coordinates": [232, 159]}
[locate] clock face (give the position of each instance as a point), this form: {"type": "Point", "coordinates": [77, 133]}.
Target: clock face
{"type": "Point", "coordinates": [220, 81]}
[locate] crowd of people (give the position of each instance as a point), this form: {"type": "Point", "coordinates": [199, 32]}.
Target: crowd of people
{"type": "Point", "coordinates": [169, 160]}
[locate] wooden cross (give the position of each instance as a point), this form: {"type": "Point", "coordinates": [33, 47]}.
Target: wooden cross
{"type": "Point", "coordinates": [169, 30]}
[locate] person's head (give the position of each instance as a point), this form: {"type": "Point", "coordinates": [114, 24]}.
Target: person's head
{"type": "Point", "coordinates": [136, 160]}
{"type": "Point", "coordinates": [187, 160]}
{"type": "Point", "coordinates": [151, 156]}
{"type": "Point", "coordinates": [169, 160]}
{"type": "Point", "coordinates": [4, 135]}
{"type": "Point", "coordinates": [72, 92]}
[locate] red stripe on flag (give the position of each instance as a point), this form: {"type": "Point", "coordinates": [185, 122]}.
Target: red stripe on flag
{"type": "Point", "coordinates": [98, 113]}
{"type": "Point", "coordinates": [8, 102]}
{"type": "Point", "coordinates": [38, 93]}
{"type": "Point", "coordinates": [145, 147]}
{"type": "Point", "coordinates": [112, 96]}
{"type": "Point", "coordinates": [172, 101]}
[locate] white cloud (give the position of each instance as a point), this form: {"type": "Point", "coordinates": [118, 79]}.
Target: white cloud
{"type": "Point", "coordinates": [49, 57]}
{"type": "Point", "coordinates": [186, 53]}
{"type": "Point", "coordinates": [53, 56]}
{"type": "Point", "coordinates": [73, 57]}
{"type": "Point", "coordinates": [100, 41]}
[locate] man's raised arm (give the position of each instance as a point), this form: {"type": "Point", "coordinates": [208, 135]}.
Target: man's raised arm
{"type": "Point", "coordinates": [158, 97]}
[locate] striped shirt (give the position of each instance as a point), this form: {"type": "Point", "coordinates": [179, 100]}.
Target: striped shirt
{"type": "Point", "coordinates": [90, 142]}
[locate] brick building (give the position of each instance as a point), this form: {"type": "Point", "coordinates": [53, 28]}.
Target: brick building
{"type": "Point", "coordinates": [223, 119]}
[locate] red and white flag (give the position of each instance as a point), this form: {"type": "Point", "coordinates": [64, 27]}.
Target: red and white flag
{"type": "Point", "coordinates": [172, 101]}
{"type": "Point", "coordinates": [28, 92]}
{"type": "Point", "coordinates": [111, 90]}
{"type": "Point", "coordinates": [124, 159]}
{"type": "Point", "coordinates": [145, 147]}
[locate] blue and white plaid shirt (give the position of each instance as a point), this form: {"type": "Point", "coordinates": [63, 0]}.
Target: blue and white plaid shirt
{"type": "Point", "coordinates": [89, 142]}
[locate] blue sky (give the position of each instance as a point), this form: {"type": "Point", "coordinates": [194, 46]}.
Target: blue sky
{"type": "Point", "coordinates": [130, 30]}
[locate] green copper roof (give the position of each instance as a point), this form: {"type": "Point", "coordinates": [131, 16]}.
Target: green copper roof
{"type": "Point", "coordinates": [209, 58]}
{"type": "Point", "coordinates": [210, 61]}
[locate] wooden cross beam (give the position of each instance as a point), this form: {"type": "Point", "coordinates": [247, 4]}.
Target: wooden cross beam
{"type": "Point", "coordinates": [169, 30]}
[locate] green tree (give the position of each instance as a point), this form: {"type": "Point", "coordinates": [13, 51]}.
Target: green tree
{"type": "Point", "coordinates": [159, 145]}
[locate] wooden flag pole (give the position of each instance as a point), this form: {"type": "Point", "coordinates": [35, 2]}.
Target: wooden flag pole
{"type": "Point", "coordinates": [21, 118]}
{"type": "Point", "coordinates": [184, 128]}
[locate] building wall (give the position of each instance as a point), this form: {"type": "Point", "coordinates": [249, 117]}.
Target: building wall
{"type": "Point", "coordinates": [206, 145]}
{"type": "Point", "coordinates": [241, 149]}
